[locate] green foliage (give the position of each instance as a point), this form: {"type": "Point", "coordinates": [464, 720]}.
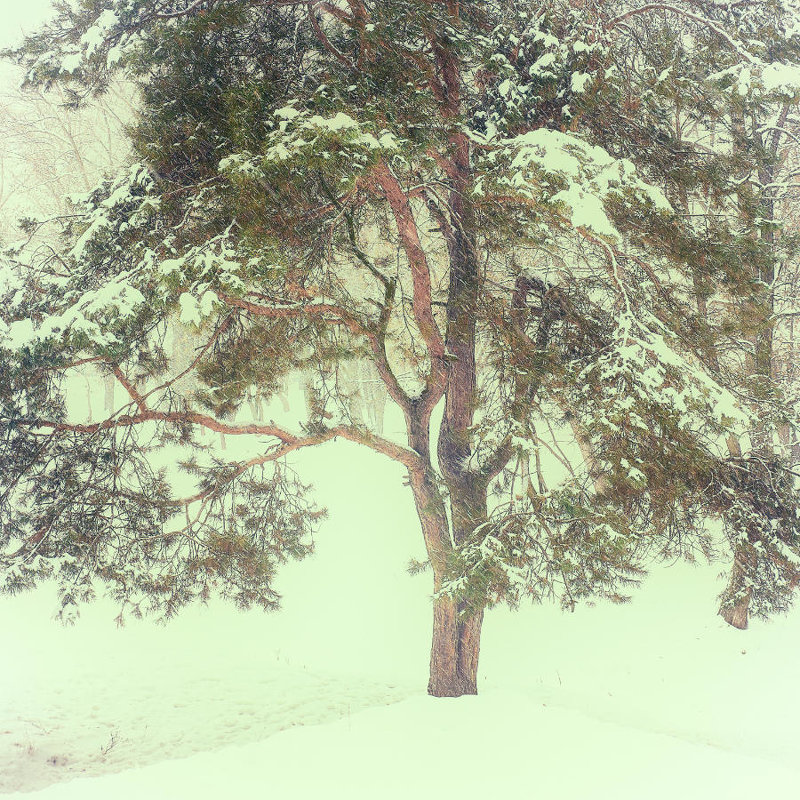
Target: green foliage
{"type": "Point", "coordinates": [758, 498]}
{"type": "Point", "coordinates": [564, 545]}
{"type": "Point", "coordinates": [313, 186]}
{"type": "Point", "coordinates": [78, 508]}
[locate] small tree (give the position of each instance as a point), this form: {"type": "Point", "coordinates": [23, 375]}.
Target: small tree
{"type": "Point", "coordinates": [471, 196]}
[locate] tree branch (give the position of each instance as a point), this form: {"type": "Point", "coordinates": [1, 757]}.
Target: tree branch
{"type": "Point", "coordinates": [289, 442]}
{"type": "Point", "coordinates": [323, 38]}
{"type": "Point", "coordinates": [422, 305]}
{"type": "Point", "coordinates": [711, 25]}
{"type": "Point", "coordinates": [134, 393]}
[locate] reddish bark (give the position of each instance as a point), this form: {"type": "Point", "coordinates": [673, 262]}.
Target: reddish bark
{"type": "Point", "coordinates": [455, 650]}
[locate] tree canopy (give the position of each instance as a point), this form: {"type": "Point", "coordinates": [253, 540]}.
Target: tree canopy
{"type": "Point", "coordinates": [550, 221]}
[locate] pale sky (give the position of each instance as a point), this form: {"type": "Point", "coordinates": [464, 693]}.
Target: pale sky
{"type": "Point", "coordinates": [18, 16]}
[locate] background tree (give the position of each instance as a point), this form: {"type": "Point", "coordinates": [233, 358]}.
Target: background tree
{"type": "Point", "coordinates": [49, 150]}
{"type": "Point", "coordinates": [762, 573]}
{"type": "Point", "coordinates": [729, 162]}
{"type": "Point", "coordinates": [474, 197]}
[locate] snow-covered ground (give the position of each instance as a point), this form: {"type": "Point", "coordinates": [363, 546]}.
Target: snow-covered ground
{"type": "Point", "coordinates": [655, 699]}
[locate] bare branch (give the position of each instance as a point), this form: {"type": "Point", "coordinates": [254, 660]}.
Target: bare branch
{"type": "Point", "coordinates": [710, 24]}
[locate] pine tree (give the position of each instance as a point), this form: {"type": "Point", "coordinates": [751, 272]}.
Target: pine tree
{"type": "Point", "coordinates": [745, 113]}
{"type": "Point", "coordinates": [763, 571]}
{"type": "Point", "coordinates": [482, 200]}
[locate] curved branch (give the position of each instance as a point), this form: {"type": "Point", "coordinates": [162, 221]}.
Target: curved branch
{"type": "Point", "coordinates": [422, 304]}
{"type": "Point", "coordinates": [288, 442]}
{"type": "Point", "coordinates": [339, 316]}
{"type": "Point", "coordinates": [710, 24]}
{"type": "Point", "coordinates": [323, 38]}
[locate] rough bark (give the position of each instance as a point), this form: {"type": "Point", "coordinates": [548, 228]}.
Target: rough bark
{"type": "Point", "coordinates": [455, 646]}
{"type": "Point", "coordinates": [456, 635]}
{"type": "Point", "coordinates": [736, 614]}
{"type": "Point", "coordinates": [457, 625]}
{"type": "Point", "coordinates": [455, 649]}
{"type": "Point", "coordinates": [735, 605]}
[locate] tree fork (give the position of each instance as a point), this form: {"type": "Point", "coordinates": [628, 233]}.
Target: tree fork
{"type": "Point", "coordinates": [455, 645]}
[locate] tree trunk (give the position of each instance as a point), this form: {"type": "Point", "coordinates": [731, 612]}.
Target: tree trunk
{"type": "Point", "coordinates": [736, 614]}
{"type": "Point", "coordinates": [455, 650]}
{"type": "Point", "coordinates": [735, 605]}
{"type": "Point", "coordinates": [456, 629]}
{"type": "Point", "coordinates": [456, 624]}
